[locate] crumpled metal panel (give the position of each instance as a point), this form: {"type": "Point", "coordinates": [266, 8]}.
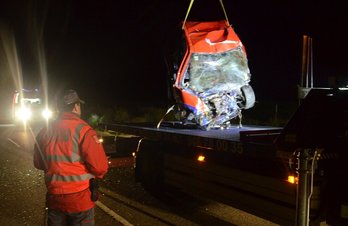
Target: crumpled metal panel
{"type": "Point", "coordinates": [216, 78]}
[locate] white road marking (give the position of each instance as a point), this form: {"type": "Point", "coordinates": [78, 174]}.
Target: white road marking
{"type": "Point", "coordinates": [13, 142]}
{"type": "Point", "coordinates": [113, 214]}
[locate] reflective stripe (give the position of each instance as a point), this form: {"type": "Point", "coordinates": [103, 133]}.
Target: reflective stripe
{"type": "Point", "coordinates": [75, 156]}
{"type": "Point", "coordinates": [68, 178]}
{"type": "Point", "coordinates": [58, 158]}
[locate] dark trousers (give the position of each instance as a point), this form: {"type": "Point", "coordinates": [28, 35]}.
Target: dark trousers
{"type": "Point", "coordinates": [59, 218]}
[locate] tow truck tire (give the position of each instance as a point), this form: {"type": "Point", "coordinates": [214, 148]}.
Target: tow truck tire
{"type": "Point", "coordinates": [149, 167]}
{"type": "Point", "coordinates": [249, 97]}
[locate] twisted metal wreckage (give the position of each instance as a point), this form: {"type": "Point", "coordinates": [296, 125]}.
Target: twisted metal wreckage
{"type": "Point", "coordinates": [211, 86]}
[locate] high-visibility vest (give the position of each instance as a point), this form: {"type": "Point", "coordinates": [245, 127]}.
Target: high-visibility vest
{"type": "Point", "coordinates": [60, 144]}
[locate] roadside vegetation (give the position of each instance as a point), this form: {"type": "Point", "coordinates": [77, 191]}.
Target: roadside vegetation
{"type": "Point", "coordinates": [263, 113]}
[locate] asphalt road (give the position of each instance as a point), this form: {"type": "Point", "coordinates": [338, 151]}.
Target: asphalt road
{"type": "Point", "coordinates": [22, 190]}
{"type": "Point", "coordinates": [22, 194]}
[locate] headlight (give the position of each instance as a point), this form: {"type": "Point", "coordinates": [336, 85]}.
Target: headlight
{"type": "Point", "coordinates": [47, 114]}
{"type": "Point", "coordinates": [23, 114]}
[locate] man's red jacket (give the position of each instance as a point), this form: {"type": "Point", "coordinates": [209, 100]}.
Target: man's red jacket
{"type": "Point", "coordinates": [69, 153]}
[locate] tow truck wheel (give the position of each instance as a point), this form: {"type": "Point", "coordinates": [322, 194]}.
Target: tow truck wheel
{"type": "Point", "coordinates": [249, 97]}
{"type": "Point", "coordinates": [148, 166]}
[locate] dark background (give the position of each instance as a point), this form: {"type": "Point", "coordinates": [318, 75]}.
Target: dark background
{"type": "Point", "coordinates": [115, 52]}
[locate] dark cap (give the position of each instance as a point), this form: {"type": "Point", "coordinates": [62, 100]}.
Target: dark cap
{"type": "Point", "coordinates": [69, 97]}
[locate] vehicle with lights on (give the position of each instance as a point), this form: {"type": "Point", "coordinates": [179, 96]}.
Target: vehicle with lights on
{"type": "Point", "coordinates": [29, 106]}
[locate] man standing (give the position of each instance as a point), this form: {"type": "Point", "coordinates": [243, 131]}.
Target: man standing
{"type": "Point", "coordinates": [71, 156]}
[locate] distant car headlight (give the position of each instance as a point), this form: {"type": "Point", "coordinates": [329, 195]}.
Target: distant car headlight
{"type": "Point", "coordinates": [23, 114]}
{"type": "Point", "coordinates": [47, 114]}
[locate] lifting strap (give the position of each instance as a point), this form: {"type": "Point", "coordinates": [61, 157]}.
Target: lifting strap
{"type": "Point", "coordinates": [223, 8]}
{"type": "Point", "coordinates": [190, 6]}
{"type": "Point", "coordinates": [187, 13]}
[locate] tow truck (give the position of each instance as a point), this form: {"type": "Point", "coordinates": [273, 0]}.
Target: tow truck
{"type": "Point", "coordinates": [291, 175]}
{"type": "Point", "coordinates": [295, 175]}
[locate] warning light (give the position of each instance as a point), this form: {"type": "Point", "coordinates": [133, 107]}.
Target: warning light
{"type": "Point", "coordinates": [292, 179]}
{"type": "Point", "coordinates": [201, 158]}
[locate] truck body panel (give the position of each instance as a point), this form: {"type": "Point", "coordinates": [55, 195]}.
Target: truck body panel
{"type": "Point", "coordinates": [245, 175]}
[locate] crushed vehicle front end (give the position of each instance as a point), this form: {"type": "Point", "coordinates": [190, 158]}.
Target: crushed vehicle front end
{"type": "Point", "coordinates": [212, 83]}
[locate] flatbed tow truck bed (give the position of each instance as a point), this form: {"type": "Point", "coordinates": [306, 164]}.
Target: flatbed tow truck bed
{"type": "Point", "coordinates": [226, 140]}
{"type": "Point", "coordinates": [230, 134]}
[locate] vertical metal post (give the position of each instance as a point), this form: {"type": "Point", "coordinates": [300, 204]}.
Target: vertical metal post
{"type": "Point", "coordinates": [307, 68]}
{"type": "Point", "coordinates": [304, 76]}
{"type": "Point", "coordinates": [311, 60]}
{"type": "Point", "coordinates": [302, 202]}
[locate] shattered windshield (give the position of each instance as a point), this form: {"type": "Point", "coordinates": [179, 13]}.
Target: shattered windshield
{"type": "Point", "coordinates": [221, 71]}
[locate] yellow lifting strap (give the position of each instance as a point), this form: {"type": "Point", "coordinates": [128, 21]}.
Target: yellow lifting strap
{"type": "Point", "coordinates": [187, 13]}
{"type": "Point", "coordinates": [190, 6]}
{"type": "Point", "coordinates": [223, 8]}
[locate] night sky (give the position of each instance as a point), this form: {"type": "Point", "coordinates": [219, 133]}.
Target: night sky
{"type": "Point", "coordinates": [115, 51]}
